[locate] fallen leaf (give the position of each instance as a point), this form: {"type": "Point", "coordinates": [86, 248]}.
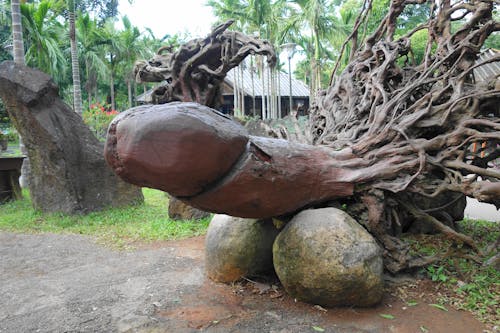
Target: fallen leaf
{"type": "Point", "coordinates": [411, 303]}
{"type": "Point", "coordinates": [386, 316]}
{"type": "Point", "coordinates": [439, 306]}
{"type": "Point", "coordinates": [318, 329]}
{"type": "Point", "coordinates": [424, 329]}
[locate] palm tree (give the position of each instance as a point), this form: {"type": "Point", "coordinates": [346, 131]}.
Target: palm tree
{"type": "Point", "coordinates": [129, 53]}
{"type": "Point", "coordinates": [114, 50]}
{"type": "Point", "coordinates": [318, 16]}
{"type": "Point", "coordinates": [17, 32]}
{"type": "Point", "coordinates": [18, 53]}
{"type": "Point", "coordinates": [91, 42]}
{"type": "Point", "coordinates": [43, 35]}
{"type": "Point", "coordinates": [228, 9]}
{"type": "Point", "coordinates": [75, 66]}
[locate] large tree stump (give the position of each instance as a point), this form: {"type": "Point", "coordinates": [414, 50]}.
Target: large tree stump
{"type": "Point", "coordinates": [68, 171]}
{"type": "Point", "coordinates": [383, 132]}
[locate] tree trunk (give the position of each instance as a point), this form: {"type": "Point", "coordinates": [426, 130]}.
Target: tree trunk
{"type": "Point", "coordinates": [18, 52]}
{"type": "Point", "coordinates": [280, 113]}
{"type": "Point", "coordinates": [263, 73]}
{"type": "Point", "coordinates": [129, 93]}
{"type": "Point", "coordinates": [135, 93]}
{"type": "Point", "coordinates": [17, 32]}
{"type": "Point", "coordinates": [68, 171]}
{"type": "Point", "coordinates": [270, 93]}
{"type": "Point", "coordinates": [242, 90]}
{"type": "Point", "coordinates": [75, 66]}
{"type": "Point", "coordinates": [252, 71]}
{"type": "Point", "coordinates": [281, 176]}
{"type": "Point", "coordinates": [112, 90]}
{"type": "Point", "coordinates": [236, 93]}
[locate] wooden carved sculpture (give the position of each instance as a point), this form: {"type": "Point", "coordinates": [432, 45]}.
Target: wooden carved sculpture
{"type": "Point", "coordinates": [383, 133]}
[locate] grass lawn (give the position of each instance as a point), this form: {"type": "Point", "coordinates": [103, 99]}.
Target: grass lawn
{"type": "Point", "coordinates": [461, 279]}
{"type": "Point", "coordinates": [117, 227]}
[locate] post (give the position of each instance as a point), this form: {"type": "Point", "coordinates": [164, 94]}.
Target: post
{"type": "Point", "coordinates": [289, 48]}
{"type": "Point", "coordinates": [290, 81]}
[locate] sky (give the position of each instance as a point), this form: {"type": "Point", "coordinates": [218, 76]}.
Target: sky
{"type": "Point", "coordinates": [176, 16]}
{"type": "Point", "coordinates": [169, 16]}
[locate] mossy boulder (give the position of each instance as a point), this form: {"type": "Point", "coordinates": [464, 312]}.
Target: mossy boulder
{"type": "Point", "coordinates": [237, 247]}
{"type": "Point", "coordinates": [323, 256]}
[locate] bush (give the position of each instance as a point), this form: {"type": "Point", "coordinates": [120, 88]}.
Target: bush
{"type": "Point", "coordinates": [9, 133]}
{"type": "Point", "coordinates": [98, 117]}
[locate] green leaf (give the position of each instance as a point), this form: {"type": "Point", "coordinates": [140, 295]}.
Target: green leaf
{"type": "Point", "coordinates": [424, 329]}
{"type": "Point", "coordinates": [318, 329]}
{"type": "Point", "coordinates": [386, 316]}
{"type": "Point", "coordinates": [411, 303]}
{"type": "Point", "coordinates": [439, 306]}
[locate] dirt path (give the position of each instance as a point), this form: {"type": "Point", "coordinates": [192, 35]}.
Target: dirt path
{"type": "Point", "coordinates": [67, 283]}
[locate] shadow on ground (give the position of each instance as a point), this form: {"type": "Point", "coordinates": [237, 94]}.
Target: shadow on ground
{"type": "Point", "coordinates": [68, 283]}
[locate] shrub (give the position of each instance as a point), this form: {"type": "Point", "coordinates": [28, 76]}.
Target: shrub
{"type": "Point", "coordinates": [98, 117]}
{"type": "Point", "coordinates": [9, 133]}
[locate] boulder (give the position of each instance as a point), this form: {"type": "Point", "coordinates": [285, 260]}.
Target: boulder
{"type": "Point", "coordinates": [68, 170]}
{"type": "Point", "coordinates": [237, 247]}
{"type": "Point", "coordinates": [324, 257]}
{"type": "Point", "coordinates": [178, 210]}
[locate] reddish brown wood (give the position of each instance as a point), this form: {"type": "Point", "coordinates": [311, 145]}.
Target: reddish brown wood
{"type": "Point", "coordinates": [180, 148]}
{"type": "Point", "coordinates": [200, 156]}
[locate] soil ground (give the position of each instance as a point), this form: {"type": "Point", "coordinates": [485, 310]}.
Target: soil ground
{"type": "Point", "coordinates": [68, 283]}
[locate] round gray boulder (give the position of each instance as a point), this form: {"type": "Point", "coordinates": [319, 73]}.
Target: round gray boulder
{"type": "Point", "coordinates": [323, 256]}
{"type": "Point", "coordinates": [237, 247]}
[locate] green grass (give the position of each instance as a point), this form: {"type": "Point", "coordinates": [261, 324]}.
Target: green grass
{"type": "Point", "coordinates": [115, 226]}
{"type": "Point", "coordinates": [464, 281]}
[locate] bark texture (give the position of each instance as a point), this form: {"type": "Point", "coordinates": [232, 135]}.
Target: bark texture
{"type": "Point", "coordinates": [68, 171]}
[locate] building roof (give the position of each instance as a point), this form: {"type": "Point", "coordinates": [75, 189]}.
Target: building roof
{"type": "Point", "coordinates": [299, 89]}
{"type": "Point", "coordinates": [489, 70]}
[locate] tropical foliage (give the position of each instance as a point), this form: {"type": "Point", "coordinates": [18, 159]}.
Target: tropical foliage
{"type": "Point", "coordinates": [98, 117]}
{"type": "Point", "coordinates": [108, 45]}
{"type": "Point", "coordinates": [106, 48]}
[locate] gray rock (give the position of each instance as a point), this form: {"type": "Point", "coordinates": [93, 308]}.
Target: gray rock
{"type": "Point", "coordinates": [324, 257]}
{"type": "Point", "coordinates": [68, 171]}
{"type": "Point", "coordinates": [178, 210]}
{"type": "Point", "coordinates": [237, 247]}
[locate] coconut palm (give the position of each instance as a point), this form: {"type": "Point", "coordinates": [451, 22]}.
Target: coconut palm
{"type": "Point", "coordinates": [75, 66]}
{"type": "Point", "coordinates": [114, 49]}
{"type": "Point", "coordinates": [315, 14]}
{"type": "Point", "coordinates": [229, 9]}
{"type": "Point", "coordinates": [17, 32]}
{"type": "Point", "coordinates": [129, 53]}
{"type": "Point", "coordinates": [43, 35]}
{"type": "Point", "coordinates": [18, 53]}
{"type": "Point", "coordinates": [91, 51]}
